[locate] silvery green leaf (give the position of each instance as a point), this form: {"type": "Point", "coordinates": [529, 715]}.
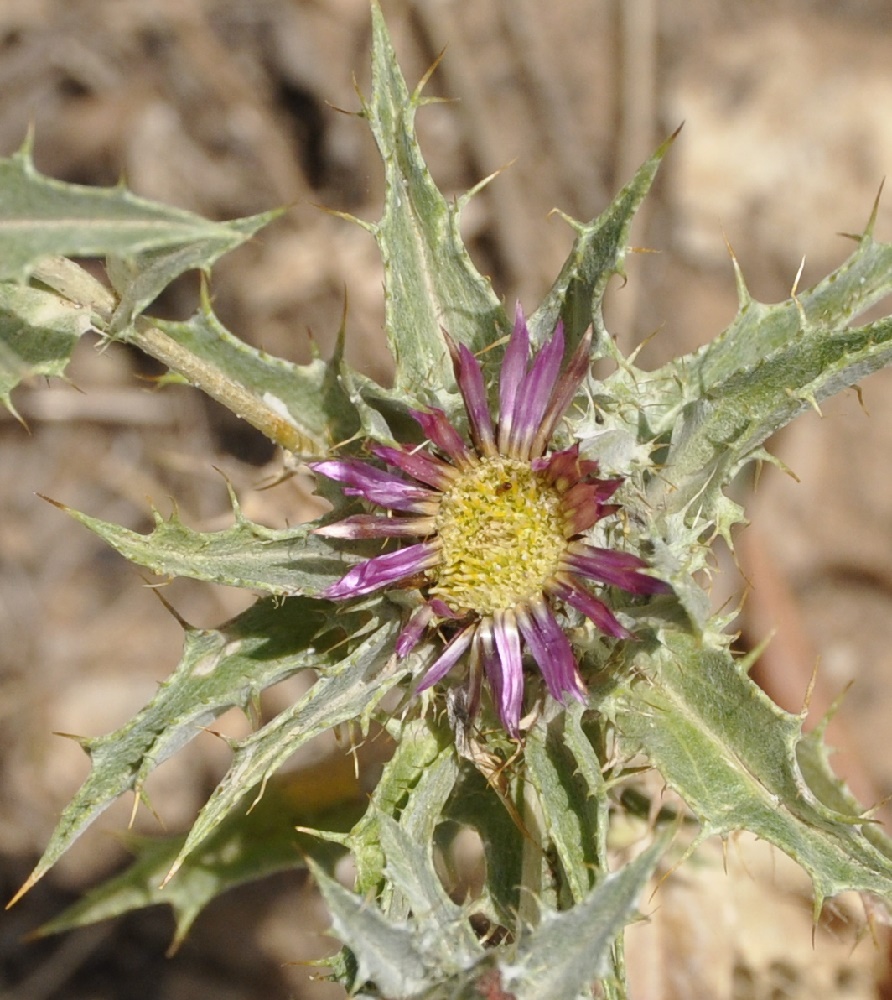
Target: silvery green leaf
{"type": "Point", "coordinates": [351, 682]}
{"type": "Point", "coordinates": [290, 561]}
{"type": "Point", "coordinates": [38, 332]}
{"type": "Point", "coordinates": [410, 871]}
{"type": "Point", "coordinates": [250, 844]}
{"type": "Point", "coordinates": [569, 951]}
{"type": "Point", "coordinates": [476, 804]}
{"type": "Point", "coordinates": [414, 785]}
{"type": "Point", "coordinates": [388, 953]}
{"type": "Point", "coordinates": [736, 760]}
{"type": "Point", "coordinates": [41, 217]}
{"type": "Point", "coordinates": [717, 432]}
{"type": "Point", "coordinates": [140, 278]}
{"type": "Point", "coordinates": [304, 408]}
{"type": "Point", "coordinates": [598, 253]}
{"type": "Point", "coordinates": [430, 281]}
{"type": "Point", "coordinates": [220, 669]}
{"type": "Point", "coordinates": [565, 772]}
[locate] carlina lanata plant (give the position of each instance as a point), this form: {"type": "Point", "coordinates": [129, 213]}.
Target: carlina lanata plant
{"type": "Point", "coordinates": [503, 526]}
{"type": "Point", "coordinates": [516, 532]}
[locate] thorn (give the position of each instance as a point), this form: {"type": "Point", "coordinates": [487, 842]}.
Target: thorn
{"type": "Point", "coordinates": [7, 402]}
{"type": "Point", "coordinates": [174, 868]}
{"type": "Point", "coordinates": [369, 227]}
{"type": "Point", "coordinates": [868, 231]}
{"type": "Point", "coordinates": [186, 626]}
{"type": "Point", "coordinates": [344, 111]}
{"type": "Point", "coordinates": [795, 287]}
{"type": "Point", "coordinates": [809, 691]}
{"type": "Point", "coordinates": [481, 184]}
{"type": "Point", "coordinates": [84, 742]}
{"type": "Point", "coordinates": [55, 503]}
{"type": "Point", "coordinates": [27, 886]}
{"type": "Point", "coordinates": [233, 499]}
{"type": "Point", "coordinates": [429, 72]}
{"type": "Point", "coordinates": [857, 390]}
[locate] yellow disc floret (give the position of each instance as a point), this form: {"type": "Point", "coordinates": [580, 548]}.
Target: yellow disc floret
{"type": "Point", "coordinates": [502, 536]}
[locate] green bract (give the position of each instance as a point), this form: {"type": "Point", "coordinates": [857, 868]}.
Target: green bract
{"type": "Point", "coordinates": [675, 699]}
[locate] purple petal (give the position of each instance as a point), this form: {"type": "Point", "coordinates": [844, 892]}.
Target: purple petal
{"type": "Point", "coordinates": [584, 504]}
{"type": "Point", "coordinates": [448, 658]}
{"type": "Point", "coordinates": [377, 526]}
{"type": "Point", "coordinates": [534, 395]}
{"type": "Point", "coordinates": [375, 485]}
{"type": "Point", "coordinates": [565, 468]}
{"type": "Point", "coordinates": [407, 640]}
{"type": "Point", "coordinates": [619, 569]}
{"type": "Point", "coordinates": [381, 571]}
{"type": "Point", "coordinates": [580, 493]}
{"type": "Point", "coordinates": [437, 428]}
{"type": "Point", "coordinates": [470, 381]}
{"type": "Point", "coordinates": [514, 366]}
{"type": "Point", "coordinates": [552, 652]}
{"type": "Point", "coordinates": [579, 598]}
{"type": "Point", "coordinates": [564, 393]}
{"type": "Point", "coordinates": [418, 464]}
{"type": "Point", "coordinates": [504, 668]}
{"type": "Point", "coordinates": [441, 609]}
{"type": "Point", "coordinates": [485, 647]}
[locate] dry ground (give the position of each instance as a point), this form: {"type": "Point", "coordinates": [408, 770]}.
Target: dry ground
{"type": "Point", "coordinates": [228, 107]}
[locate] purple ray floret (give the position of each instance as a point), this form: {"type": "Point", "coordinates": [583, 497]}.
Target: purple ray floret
{"type": "Point", "coordinates": [552, 652]}
{"type": "Point", "coordinates": [508, 666]}
{"type": "Point", "coordinates": [534, 394]}
{"type": "Point", "coordinates": [375, 485]}
{"type": "Point", "coordinates": [470, 382]}
{"type": "Point", "coordinates": [439, 430]}
{"type": "Point", "coordinates": [619, 569]}
{"type": "Point", "coordinates": [383, 571]}
{"type": "Point", "coordinates": [448, 658]}
{"type": "Point", "coordinates": [408, 639]}
{"type": "Point", "coordinates": [376, 526]}
{"type": "Point", "coordinates": [514, 366]}
{"type": "Point", "coordinates": [597, 611]}
{"type": "Point", "coordinates": [417, 464]}
{"type": "Point", "coordinates": [564, 393]}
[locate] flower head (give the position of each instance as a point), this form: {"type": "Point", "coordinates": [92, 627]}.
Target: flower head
{"type": "Point", "coordinates": [497, 526]}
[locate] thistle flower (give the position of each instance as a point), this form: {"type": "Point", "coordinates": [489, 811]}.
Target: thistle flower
{"type": "Point", "coordinates": [498, 527]}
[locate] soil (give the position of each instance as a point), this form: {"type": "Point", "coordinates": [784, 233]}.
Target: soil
{"type": "Point", "coordinates": [227, 108]}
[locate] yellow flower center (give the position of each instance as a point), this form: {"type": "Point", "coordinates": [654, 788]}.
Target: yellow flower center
{"type": "Point", "coordinates": [502, 536]}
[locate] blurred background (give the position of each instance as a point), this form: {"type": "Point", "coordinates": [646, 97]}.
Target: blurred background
{"type": "Point", "coordinates": [231, 107]}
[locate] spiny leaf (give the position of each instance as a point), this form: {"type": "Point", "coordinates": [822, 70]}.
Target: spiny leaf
{"type": "Point", "coordinates": [475, 804]}
{"type": "Point", "coordinates": [598, 253]}
{"type": "Point", "coordinates": [351, 683]}
{"type": "Point", "coordinates": [733, 756]}
{"type": "Point", "coordinates": [290, 561]}
{"type": "Point", "coordinates": [569, 800]}
{"type": "Point", "coordinates": [421, 748]}
{"type": "Point", "coordinates": [430, 280]}
{"type": "Point", "coordinates": [38, 332]}
{"type": "Point", "coordinates": [302, 407]}
{"type": "Point", "coordinates": [40, 217]}
{"type": "Point", "coordinates": [250, 844]}
{"type": "Point", "coordinates": [561, 959]}
{"type": "Point", "coordinates": [140, 278]}
{"type": "Point", "coordinates": [389, 954]}
{"type": "Point", "coordinates": [717, 432]}
{"type": "Point", "coordinates": [759, 330]}
{"type": "Point", "coordinates": [411, 873]}
{"type": "Point", "coordinates": [220, 669]}
{"type": "Point", "coordinates": [568, 952]}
